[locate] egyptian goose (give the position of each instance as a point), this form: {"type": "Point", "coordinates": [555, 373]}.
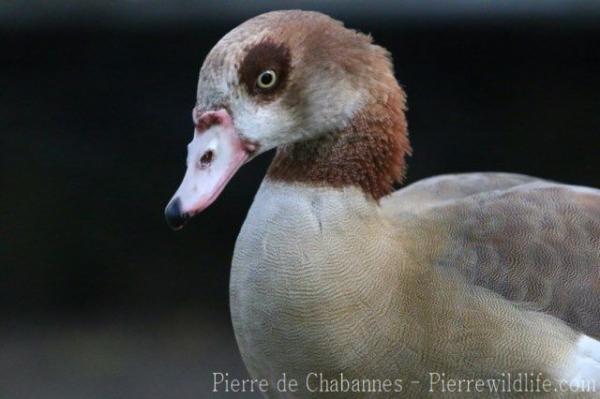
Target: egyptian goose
{"type": "Point", "coordinates": [337, 277]}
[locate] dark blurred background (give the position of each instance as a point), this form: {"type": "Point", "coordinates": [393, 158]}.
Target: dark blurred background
{"type": "Point", "coordinates": [98, 298]}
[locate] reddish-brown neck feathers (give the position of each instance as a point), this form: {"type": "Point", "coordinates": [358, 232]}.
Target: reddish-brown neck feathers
{"type": "Point", "coordinates": [368, 153]}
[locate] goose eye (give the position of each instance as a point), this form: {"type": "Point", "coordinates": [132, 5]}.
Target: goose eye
{"type": "Point", "coordinates": [266, 79]}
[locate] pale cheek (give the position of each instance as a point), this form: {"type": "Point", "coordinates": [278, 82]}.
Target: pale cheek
{"type": "Point", "coordinates": [274, 124]}
{"type": "Point", "coordinates": [269, 125]}
{"type": "Point", "coordinates": [333, 106]}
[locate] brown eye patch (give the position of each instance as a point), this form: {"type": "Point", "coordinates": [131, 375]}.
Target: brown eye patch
{"type": "Point", "coordinates": [264, 56]}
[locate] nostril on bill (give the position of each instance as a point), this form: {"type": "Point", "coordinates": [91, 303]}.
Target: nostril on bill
{"type": "Point", "coordinates": [206, 159]}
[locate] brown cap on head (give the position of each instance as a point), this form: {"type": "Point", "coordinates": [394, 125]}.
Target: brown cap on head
{"type": "Point", "coordinates": [334, 83]}
{"type": "Point", "coordinates": [368, 149]}
{"type": "Point", "coordinates": [324, 95]}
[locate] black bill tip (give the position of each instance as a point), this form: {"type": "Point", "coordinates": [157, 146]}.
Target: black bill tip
{"type": "Point", "coordinates": [176, 219]}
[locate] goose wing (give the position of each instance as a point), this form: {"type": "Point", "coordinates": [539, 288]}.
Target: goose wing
{"type": "Point", "coordinates": [532, 241]}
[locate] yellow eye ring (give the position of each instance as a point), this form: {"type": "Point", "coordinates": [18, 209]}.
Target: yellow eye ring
{"type": "Point", "coordinates": [266, 79]}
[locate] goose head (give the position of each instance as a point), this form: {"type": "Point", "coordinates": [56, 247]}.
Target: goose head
{"type": "Point", "coordinates": [325, 96]}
